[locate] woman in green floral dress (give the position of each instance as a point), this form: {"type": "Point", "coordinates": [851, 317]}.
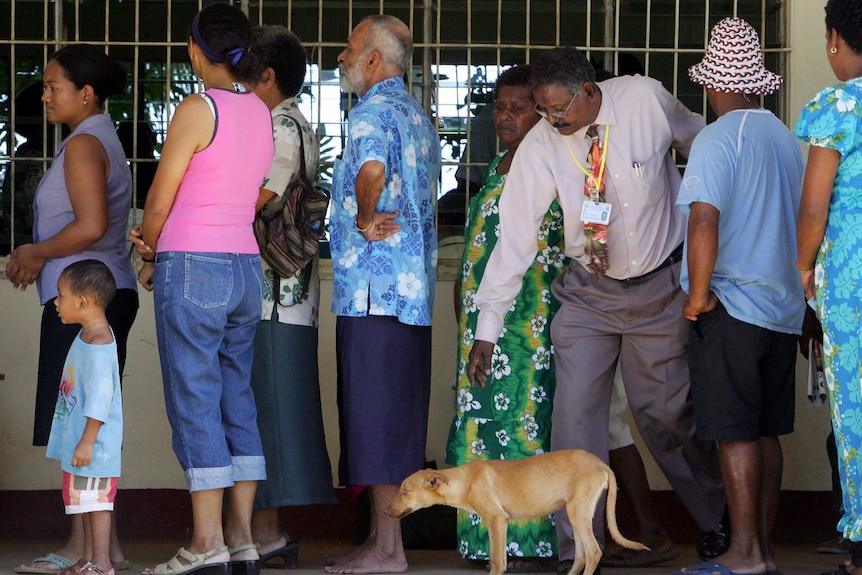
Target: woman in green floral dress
{"type": "Point", "coordinates": [510, 418]}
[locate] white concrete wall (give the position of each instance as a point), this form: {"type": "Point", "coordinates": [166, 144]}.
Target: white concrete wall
{"type": "Point", "coordinates": [148, 459]}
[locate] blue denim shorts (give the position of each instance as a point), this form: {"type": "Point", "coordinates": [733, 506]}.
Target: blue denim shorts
{"type": "Point", "coordinates": [207, 309]}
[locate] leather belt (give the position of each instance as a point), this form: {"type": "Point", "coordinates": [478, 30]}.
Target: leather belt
{"type": "Point", "coordinates": [674, 257]}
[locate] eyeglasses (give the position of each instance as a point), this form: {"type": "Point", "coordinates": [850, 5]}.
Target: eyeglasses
{"type": "Point", "coordinates": [557, 115]}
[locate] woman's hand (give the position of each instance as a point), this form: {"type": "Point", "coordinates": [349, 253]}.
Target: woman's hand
{"type": "Point", "coordinates": [13, 273]}
{"type": "Point", "coordinates": [145, 275]}
{"type": "Point", "coordinates": [807, 280]}
{"type": "Point", "coordinates": [25, 265]}
{"type": "Point", "coordinates": [479, 369]}
{"type": "Point", "coordinates": [141, 248]}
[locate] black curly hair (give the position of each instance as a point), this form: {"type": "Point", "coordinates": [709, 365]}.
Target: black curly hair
{"type": "Point", "coordinates": [845, 17]}
{"type": "Point", "coordinates": [564, 65]}
{"type": "Point", "coordinates": [514, 76]}
{"type": "Point", "coordinates": [280, 49]}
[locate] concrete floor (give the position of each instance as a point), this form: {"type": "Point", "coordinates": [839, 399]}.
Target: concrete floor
{"type": "Point", "coordinates": [792, 559]}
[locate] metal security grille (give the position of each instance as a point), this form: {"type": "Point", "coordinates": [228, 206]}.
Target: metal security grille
{"type": "Point", "coordinates": [461, 47]}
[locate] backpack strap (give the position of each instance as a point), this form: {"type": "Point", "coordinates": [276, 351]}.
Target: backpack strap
{"type": "Point", "coordinates": [302, 170]}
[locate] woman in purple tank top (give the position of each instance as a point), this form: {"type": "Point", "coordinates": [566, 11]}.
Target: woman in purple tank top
{"type": "Point", "coordinates": [81, 211]}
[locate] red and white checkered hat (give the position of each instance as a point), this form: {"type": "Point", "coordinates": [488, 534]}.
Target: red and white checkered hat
{"type": "Point", "coordinates": [733, 62]}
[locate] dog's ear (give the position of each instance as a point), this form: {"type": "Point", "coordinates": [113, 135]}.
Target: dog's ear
{"type": "Point", "coordinates": [436, 480]}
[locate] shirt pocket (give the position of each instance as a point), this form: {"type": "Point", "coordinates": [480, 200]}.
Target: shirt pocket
{"type": "Point", "coordinates": [649, 175]}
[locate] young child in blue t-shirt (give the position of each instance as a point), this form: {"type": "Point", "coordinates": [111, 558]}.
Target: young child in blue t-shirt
{"type": "Point", "coordinates": [87, 430]}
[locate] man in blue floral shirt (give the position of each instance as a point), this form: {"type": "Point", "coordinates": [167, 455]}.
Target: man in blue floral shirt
{"type": "Point", "coordinates": [384, 257]}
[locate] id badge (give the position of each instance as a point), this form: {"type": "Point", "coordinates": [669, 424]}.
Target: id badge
{"type": "Point", "coordinates": [596, 212]}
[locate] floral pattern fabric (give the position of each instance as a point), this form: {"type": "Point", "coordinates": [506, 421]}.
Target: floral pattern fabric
{"type": "Point", "coordinates": [294, 306]}
{"type": "Point", "coordinates": [396, 276]}
{"type": "Point", "coordinates": [833, 119]}
{"type": "Point", "coordinates": [510, 418]}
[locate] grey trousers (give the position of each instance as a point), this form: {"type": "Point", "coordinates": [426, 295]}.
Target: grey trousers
{"type": "Point", "coordinates": [641, 326]}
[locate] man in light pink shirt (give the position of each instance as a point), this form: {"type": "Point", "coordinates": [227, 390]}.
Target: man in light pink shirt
{"type": "Point", "coordinates": [630, 313]}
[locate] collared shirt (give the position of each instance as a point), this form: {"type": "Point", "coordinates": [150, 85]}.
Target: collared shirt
{"type": "Point", "coordinates": [643, 121]}
{"type": "Point", "coordinates": [395, 276]}
{"type": "Point", "coordinates": [748, 166]}
{"type": "Point", "coordinates": [287, 122]}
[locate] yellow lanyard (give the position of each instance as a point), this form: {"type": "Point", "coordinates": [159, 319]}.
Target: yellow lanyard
{"type": "Point", "coordinates": [587, 172]}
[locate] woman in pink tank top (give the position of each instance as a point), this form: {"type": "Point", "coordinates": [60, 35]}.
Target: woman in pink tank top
{"type": "Point", "coordinates": [206, 276]}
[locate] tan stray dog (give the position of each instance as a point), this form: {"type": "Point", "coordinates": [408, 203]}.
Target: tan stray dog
{"type": "Point", "coordinates": [512, 489]}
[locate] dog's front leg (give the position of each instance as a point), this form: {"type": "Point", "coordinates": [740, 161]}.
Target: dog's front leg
{"type": "Point", "coordinates": [497, 526]}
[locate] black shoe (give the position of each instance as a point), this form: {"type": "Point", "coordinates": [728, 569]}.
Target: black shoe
{"type": "Point", "coordinates": [249, 567]}
{"type": "Point", "coordinates": [289, 553]}
{"type": "Point", "coordinates": [713, 543]}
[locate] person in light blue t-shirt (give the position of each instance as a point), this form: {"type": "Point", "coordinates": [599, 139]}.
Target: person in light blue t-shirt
{"type": "Point", "coordinates": [741, 191]}
{"type": "Point", "coordinates": [87, 430]}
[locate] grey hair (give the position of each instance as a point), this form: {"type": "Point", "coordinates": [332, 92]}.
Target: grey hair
{"type": "Point", "coordinates": [392, 39]}
{"type": "Point", "coordinates": [564, 65]}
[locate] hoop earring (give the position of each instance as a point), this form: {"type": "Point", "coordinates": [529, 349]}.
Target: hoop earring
{"type": "Point", "coordinates": [833, 50]}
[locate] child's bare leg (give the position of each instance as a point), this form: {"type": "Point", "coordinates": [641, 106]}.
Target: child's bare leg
{"type": "Point", "coordinates": [117, 555]}
{"type": "Point", "coordinates": [100, 537]}
{"type": "Point", "coordinates": [88, 537]}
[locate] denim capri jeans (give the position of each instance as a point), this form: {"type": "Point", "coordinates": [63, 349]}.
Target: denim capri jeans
{"type": "Point", "coordinates": [207, 308]}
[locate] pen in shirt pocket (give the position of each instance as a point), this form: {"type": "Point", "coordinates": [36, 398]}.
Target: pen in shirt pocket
{"type": "Point", "coordinates": [639, 169]}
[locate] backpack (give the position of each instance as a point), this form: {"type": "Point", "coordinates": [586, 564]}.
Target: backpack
{"type": "Point", "coordinates": [288, 228]}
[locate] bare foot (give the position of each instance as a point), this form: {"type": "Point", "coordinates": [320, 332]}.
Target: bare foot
{"type": "Point", "coordinates": [346, 556]}
{"type": "Point", "coordinates": [371, 561]}
{"type": "Point", "coordinates": [738, 564]}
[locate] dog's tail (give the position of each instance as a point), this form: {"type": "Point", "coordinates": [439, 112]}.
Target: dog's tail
{"type": "Point", "coordinates": [611, 513]}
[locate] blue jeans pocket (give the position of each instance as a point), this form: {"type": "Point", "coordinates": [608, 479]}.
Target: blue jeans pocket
{"type": "Point", "coordinates": [208, 281]}
{"type": "Point", "coordinates": [257, 269]}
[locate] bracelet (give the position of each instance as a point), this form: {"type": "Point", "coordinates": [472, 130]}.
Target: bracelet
{"type": "Point", "coordinates": [800, 268]}
{"type": "Point", "coordinates": [148, 260]}
{"type": "Point", "coordinates": [366, 228]}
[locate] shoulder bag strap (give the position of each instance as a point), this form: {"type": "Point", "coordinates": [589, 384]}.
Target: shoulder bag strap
{"type": "Point", "coordinates": [302, 171]}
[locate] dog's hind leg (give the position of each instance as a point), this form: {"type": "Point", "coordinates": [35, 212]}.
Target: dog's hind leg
{"type": "Point", "coordinates": [587, 550]}
{"type": "Point", "coordinates": [497, 527]}
{"type": "Point", "coordinates": [578, 563]}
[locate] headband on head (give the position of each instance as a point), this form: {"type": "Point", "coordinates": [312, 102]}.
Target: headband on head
{"type": "Point", "coordinates": [235, 54]}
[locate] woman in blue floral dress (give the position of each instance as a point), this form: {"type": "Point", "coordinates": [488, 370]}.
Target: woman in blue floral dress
{"type": "Point", "coordinates": [510, 418]}
{"type": "Point", "coordinates": [829, 238]}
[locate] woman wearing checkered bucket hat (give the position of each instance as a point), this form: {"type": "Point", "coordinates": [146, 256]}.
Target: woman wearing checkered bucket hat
{"type": "Point", "coordinates": [742, 184]}
{"type": "Point", "coordinates": [830, 247]}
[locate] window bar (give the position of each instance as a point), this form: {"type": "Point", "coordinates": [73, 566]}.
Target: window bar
{"type": "Point", "coordinates": [648, 41]}
{"type": "Point", "coordinates": [675, 66]}
{"type": "Point", "coordinates": [704, 102]}
{"type": "Point", "coordinates": [589, 32]}
{"type": "Point", "coordinates": [610, 36]}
